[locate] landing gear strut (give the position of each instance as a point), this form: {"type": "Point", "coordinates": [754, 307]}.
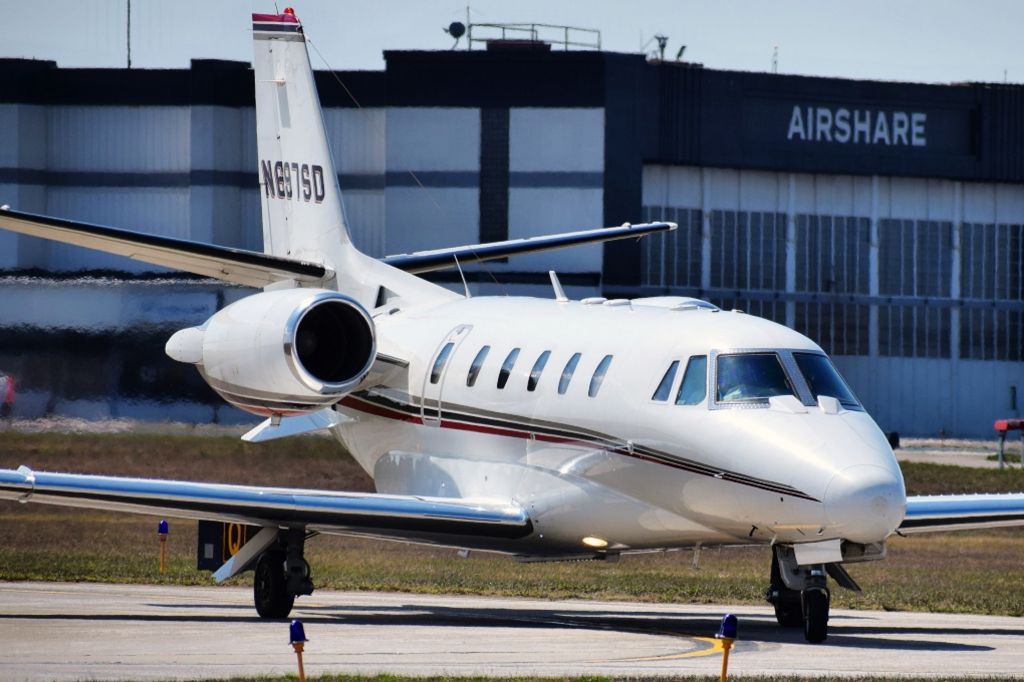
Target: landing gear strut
{"type": "Point", "coordinates": [800, 595]}
{"type": "Point", "coordinates": [788, 609]}
{"type": "Point", "coordinates": [282, 573]}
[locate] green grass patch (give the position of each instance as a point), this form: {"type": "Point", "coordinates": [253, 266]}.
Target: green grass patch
{"type": "Point", "coordinates": [1010, 457]}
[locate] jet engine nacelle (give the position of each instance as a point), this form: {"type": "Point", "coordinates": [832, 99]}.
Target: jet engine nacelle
{"type": "Point", "coordinates": [282, 352]}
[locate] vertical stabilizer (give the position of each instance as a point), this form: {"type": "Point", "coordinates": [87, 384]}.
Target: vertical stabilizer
{"type": "Point", "coordinates": [302, 212]}
{"type": "Point", "coordinates": [303, 217]}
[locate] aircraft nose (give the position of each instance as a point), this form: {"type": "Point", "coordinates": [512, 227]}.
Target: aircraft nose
{"type": "Point", "coordinates": [865, 503]}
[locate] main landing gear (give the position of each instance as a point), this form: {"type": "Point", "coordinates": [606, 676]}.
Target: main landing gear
{"type": "Point", "coordinates": [800, 595]}
{"type": "Point", "coordinates": [282, 573]}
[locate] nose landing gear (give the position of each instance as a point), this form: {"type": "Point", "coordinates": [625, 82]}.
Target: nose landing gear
{"type": "Point", "coordinates": [800, 595]}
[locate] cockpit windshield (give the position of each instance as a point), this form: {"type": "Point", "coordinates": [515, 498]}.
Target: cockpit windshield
{"type": "Point", "coordinates": [823, 378]}
{"type": "Point", "coordinates": [751, 376]}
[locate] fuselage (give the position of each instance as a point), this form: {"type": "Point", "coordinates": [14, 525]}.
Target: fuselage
{"type": "Point", "coordinates": [624, 426]}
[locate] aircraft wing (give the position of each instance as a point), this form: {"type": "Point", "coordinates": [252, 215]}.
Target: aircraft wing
{"type": "Point", "coordinates": [927, 513]}
{"type": "Point", "coordinates": [249, 268]}
{"type": "Point", "coordinates": [441, 259]}
{"type": "Point", "coordinates": [398, 516]}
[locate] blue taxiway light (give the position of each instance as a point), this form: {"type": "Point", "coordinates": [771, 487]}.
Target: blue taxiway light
{"type": "Point", "coordinates": [161, 528]}
{"type": "Point", "coordinates": [297, 632]}
{"type": "Point", "coordinates": [728, 628]}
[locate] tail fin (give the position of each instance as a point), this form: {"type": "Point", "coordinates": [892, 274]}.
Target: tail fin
{"type": "Point", "coordinates": [302, 212]}
{"type": "Point", "coordinates": [303, 217]}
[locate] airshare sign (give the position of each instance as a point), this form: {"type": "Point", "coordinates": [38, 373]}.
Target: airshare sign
{"type": "Point", "coordinates": [858, 126]}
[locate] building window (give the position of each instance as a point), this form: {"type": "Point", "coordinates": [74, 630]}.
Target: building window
{"type": "Point", "coordinates": [661, 393]}
{"type": "Point", "coordinates": [506, 367]}
{"type": "Point", "coordinates": [832, 258]}
{"type": "Point", "coordinates": [567, 371]}
{"type": "Point", "coordinates": [598, 378]}
{"type": "Point", "coordinates": [538, 369]}
{"type": "Point", "coordinates": [992, 286]}
{"type": "Point", "coordinates": [478, 362]}
{"type": "Point", "coordinates": [915, 261]}
{"type": "Point", "coordinates": [672, 259]}
{"type": "Point", "coordinates": [439, 363]}
{"type": "Point", "coordinates": [748, 250]}
{"type": "Point", "coordinates": [748, 255]}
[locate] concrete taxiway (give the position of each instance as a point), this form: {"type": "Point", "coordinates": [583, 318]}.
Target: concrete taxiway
{"type": "Point", "coordinates": [90, 631]}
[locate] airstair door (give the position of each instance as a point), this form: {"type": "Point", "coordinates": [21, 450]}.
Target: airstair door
{"type": "Point", "coordinates": [431, 404]}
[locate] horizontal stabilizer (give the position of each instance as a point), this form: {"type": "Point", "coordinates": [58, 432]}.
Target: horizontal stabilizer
{"type": "Point", "coordinates": [238, 266]}
{"type": "Point", "coordinates": [396, 516]}
{"type": "Point", "coordinates": [962, 512]}
{"type": "Point", "coordinates": [442, 259]}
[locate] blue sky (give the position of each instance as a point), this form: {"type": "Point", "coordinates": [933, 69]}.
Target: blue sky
{"type": "Point", "coordinates": [909, 40]}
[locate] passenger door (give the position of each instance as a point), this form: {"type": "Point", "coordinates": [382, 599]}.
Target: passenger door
{"type": "Point", "coordinates": [437, 370]}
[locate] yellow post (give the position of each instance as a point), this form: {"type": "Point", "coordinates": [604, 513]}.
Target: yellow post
{"type": "Point", "coordinates": [161, 530]}
{"type": "Point", "coordinates": [727, 633]}
{"type": "Point", "coordinates": [297, 636]}
{"type": "Point", "coordinates": [298, 652]}
{"type": "Point", "coordinates": [726, 645]}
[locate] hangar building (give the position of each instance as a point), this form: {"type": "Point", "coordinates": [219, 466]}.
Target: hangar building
{"type": "Point", "coordinates": [884, 220]}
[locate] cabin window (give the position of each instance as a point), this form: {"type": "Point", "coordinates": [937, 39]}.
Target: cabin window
{"type": "Point", "coordinates": [506, 367]}
{"type": "Point", "coordinates": [570, 367]}
{"type": "Point", "coordinates": [751, 376]}
{"type": "Point", "coordinates": [694, 388]}
{"type": "Point", "coordinates": [823, 378]}
{"type": "Point", "coordinates": [598, 378]}
{"type": "Point", "coordinates": [478, 362]}
{"type": "Point", "coordinates": [439, 363]}
{"type": "Point", "coordinates": [538, 368]}
{"type": "Point", "coordinates": [661, 393]}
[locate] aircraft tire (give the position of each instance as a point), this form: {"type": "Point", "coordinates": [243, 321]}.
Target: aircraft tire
{"type": "Point", "coordinates": [815, 612]}
{"type": "Point", "coordinates": [270, 587]}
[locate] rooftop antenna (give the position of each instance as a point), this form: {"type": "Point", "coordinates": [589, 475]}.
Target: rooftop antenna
{"type": "Point", "coordinates": [775, 60]}
{"type": "Point", "coordinates": [679, 54]}
{"type": "Point", "coordinates": [456, 30]}
{"type": "Point", "coordinates": [129, 24]}
{"type": "Point", "coordinates": [662, 42]}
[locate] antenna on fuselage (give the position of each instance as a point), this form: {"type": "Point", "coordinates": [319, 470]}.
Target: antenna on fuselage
{"type": "Point", "coordinates": [465, 286]}
{"type": "Point", "coordinates": [557, 286]}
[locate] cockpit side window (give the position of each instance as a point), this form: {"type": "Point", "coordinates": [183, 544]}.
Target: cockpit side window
{"type": "Point", "coordinates": [751, 376]}
{"type": "Point", "coordinates": [661, 393]}
{"type": "Point", "coordinates": [823, 378]}
{"type": "Point", "coordinates": [694, 388]}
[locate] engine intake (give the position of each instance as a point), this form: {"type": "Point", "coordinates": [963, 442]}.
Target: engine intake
{"type": "Point", "coordinates": [282, 352]}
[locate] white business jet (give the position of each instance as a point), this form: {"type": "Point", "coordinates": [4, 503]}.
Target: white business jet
{"type": "Point", "coordinates": [542, 429]}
